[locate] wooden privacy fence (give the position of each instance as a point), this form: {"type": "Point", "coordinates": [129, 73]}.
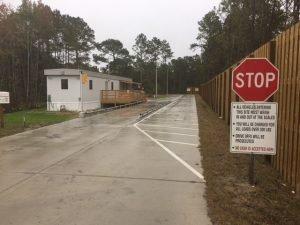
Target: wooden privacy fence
{"type": "Point", "coordinates": [284, 52]}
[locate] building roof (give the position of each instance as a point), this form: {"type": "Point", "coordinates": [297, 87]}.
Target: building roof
{"type": "Point", "coordinates": [78, 72]}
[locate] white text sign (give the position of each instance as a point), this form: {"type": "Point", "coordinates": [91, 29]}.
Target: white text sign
{"type": "Point", "coordinates": [4, 97]}
{"type": "Point", "coordinates": [253, 128]}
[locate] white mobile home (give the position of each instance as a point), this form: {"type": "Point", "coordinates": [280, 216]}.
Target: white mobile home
{"type": "Point", "coordinates": [78, 90]}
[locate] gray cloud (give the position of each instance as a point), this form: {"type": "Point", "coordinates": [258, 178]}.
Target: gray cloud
{"type": "Point", "coordinates": [173, 20]}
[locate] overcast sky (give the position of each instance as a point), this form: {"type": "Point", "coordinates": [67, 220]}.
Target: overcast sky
{"type": "Point", "coordinates": [173, 20]}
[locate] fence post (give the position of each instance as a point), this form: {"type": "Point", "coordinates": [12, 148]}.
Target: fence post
{"type": "Point", "coordinates": [272, 54]}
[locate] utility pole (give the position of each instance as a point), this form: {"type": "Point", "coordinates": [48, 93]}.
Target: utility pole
{"type": "Point", "coordinates": [28, 62]}
{"type": "Point", "coordinates": [156, 80]}
{"type": "Point", "coordinates": [167, 80]}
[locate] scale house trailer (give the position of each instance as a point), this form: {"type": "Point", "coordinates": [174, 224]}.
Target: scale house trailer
{"type": "Point", "coordinates": [78, 90]}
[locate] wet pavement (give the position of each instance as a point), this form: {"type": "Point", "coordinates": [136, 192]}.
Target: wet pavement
{"type": "Point", "coordinates": [107, 169]}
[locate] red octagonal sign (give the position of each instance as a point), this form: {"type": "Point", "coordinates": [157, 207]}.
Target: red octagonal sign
{"type": "Point", "coordinates": [255, 79]}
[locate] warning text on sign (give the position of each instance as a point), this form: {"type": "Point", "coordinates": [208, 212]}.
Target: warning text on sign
{"type": "Point", "coordinates": [253, 128]}
{"type": "Point", "coordinates": [4, 97]}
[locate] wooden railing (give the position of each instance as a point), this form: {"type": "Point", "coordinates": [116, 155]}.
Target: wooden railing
{"type": "Point", "coordinates": [117, 97]}
{"type": "Point", "coordinates": [284, 53]}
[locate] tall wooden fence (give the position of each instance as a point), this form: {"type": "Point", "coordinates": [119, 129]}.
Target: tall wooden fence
{"type": "Point", "coordinates": [284, 52]}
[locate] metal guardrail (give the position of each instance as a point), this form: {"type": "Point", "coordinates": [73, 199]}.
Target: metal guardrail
{"type": "Point", "coordinates": [104, 110]}
{"type": "Point", "coordinates": [157, 107]}
{"type": "Point", "coordinates": [153, 109]}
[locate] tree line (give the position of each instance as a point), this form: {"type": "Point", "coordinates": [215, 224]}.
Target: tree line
{"type": "Point", "coordinates": [236, 28]}
{"type": "Point", "coordinates": [35, 37]}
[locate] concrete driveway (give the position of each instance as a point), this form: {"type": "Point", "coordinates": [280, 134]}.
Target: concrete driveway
{"type": "Point", "coordinates": [106, 169]}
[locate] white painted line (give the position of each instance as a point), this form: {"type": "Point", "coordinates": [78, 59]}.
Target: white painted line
{"type": "Point", "coordinates": [178, 142]}
{"type": "Point", "coordinates": [160, 110]}
{"type": "Point", "coordinates": [181, 112]}
{"type": "Point", "coordinates": [164, 120]}
{"type": "Point", "coordinates": [161, 132]}
{"type": "Point", "coordinates": [152, 125]}
{"type": "Point", "coordinates": [184, 163]}
{"type": "Point", "coordinates": [170, 122]}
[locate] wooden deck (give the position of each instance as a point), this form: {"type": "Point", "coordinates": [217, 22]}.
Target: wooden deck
{"type": "Point", "coordinates": [119, 97]}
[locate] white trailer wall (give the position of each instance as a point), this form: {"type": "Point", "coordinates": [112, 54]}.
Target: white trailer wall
{"type": "Point", "coordinates": [78, 96]}
{"type": "Point", "coordinates": [67, 98]}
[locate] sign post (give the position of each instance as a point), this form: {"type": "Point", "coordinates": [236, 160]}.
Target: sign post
{"type": "Point", "coordinates": [251, 170]}
{"type": "Point", "coordinates": [253, 127]}
{"type": "Point", "coordinates": [4, 99]}
{"type": "Point", "coordinates": [1, 117]}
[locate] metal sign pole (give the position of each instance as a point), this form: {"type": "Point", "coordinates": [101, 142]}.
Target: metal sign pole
{"type": "Point", "coordinates": [253, 130]}
{"type": "Point", "coordinates": [251, 170]}
{"type": "Point", "coordinates": [156, 80]}
{"type": "Point", "coordinates": [1, 116]}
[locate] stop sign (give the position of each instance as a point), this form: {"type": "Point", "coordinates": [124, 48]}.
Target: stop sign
{"type": "Point", "coordinates": [255, 79]}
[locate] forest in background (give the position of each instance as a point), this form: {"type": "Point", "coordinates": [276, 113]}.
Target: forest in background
{"type": "Point", "coordinates": [35, 37]}
{"type": "Point", "coordinates": [236, 28]}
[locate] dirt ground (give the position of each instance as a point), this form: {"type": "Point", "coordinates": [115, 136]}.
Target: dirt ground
{"type": "Point", "coordinates": [231, 200]}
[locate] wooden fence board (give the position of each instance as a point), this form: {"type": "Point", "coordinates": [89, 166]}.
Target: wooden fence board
{"type": "Point", "coordinates": [220, 95]}
{"type": "Point", "coordinates": [296, 139]}
{"type": "Point", "coordinates": [227, 94]}
{"type": "Point", "coordinates": [216, 95]}
{"type": "Point", "coordinates": [285, 104]}
{"type": "Point", "coordinates": [223, 94]}
{"type": "Point", "coordinates": [293, 80]}
{"type": "Point", "coordinates": [280, 65]}
{"type": "Point", "coordinates": [288, 110]}
{"type": "Point", "coordinates": [282, 103]}
{"type": "Point", "coordinates": [278, 49]}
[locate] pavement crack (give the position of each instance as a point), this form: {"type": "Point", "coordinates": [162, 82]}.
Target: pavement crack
{"type": "Point", "coordinates": [107, 137]}
{"type": "Point", "coordinates": [114, 177]}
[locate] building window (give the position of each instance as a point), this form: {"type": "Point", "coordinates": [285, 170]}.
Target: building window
{"type": "Point", "coordinates": [112, 85]}
{"type": "Point", "coordinates": [91, 84]}
{"type": "Point", "coordinates": [64, 84]}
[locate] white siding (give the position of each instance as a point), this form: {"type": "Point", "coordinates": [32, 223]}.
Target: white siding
{"type": "Point", "coordinates": [92, 98]}
{"type": "Point", "coordinates": [116, 84]}
{"type": "Point", "coordinates": [68, 98]}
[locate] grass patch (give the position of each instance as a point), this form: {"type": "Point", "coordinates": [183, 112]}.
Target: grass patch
{"type": "Point", "coordinates": [14, 122]}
